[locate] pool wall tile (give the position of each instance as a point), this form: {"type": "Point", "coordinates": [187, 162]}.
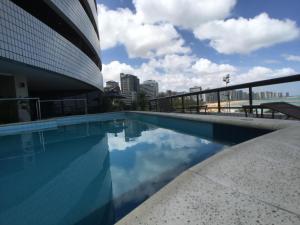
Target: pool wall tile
{"type": "Point", "coordinates": [35, 126]}
{"type": "Point", "coordinates": [54, 123]}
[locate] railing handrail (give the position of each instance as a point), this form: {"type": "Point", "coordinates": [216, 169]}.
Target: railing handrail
{"type": "Point", "coordinates": [62, 100]}
{"type": "Point", "coordinates": [69, 99]}
{"type": "Point", "coordinates": [38, 103]}
{"type": "Point", "coordinates": [12, 99]}
{"type": "Point", "coordinates": [273, 81]}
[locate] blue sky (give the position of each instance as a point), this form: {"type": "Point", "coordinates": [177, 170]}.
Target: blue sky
{"type": "Point", "coordinates": [186, 46]}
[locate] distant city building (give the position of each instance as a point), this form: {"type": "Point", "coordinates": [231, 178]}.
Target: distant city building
{"type": "Point", "coordinates": [211, 97]}
{"type": "Point", "coordinates": [129, 83]}
{"type": "Point", "coordinates": [112, 89]}
{"type": "Point", "coordinates": [150, 88]}
{"type": "Point", "coordinates": [130, 86]}
{"type": "Point", "coordinates": [197, 89]}
{"type": "Point", "coordinates": [169, 93]}
{"type": "Point", "coordinates": [129, 97]}
{"type": "Point", "coordinates": [112, 84]}
{"type": "Point", "coordinates": [134, 129]}
{"type": "Point", "coordinates": [235, 95]}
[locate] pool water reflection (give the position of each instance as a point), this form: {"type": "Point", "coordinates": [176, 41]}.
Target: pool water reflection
{"type": "Point", "coordinates": [93, 173]}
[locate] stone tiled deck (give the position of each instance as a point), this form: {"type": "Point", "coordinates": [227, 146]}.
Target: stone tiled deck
{"type": "Point", "coordinates": [255, 182]}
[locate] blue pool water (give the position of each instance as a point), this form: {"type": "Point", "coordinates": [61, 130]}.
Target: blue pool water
{"type": "Point", "coordinates": [97, 172]}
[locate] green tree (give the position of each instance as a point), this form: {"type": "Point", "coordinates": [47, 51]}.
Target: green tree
{"type": "Point", "coordinates": [141, 101]}
{"type": "Point", "coordinates": [107, 104]}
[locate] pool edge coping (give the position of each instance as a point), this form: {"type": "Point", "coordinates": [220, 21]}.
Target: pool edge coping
{"type": "Point", "coordinates": [259, 123]}
{"type": "Point", "coordinates": [281, 127]}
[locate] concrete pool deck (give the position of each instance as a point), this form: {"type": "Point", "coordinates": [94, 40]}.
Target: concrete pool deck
{"type": "Point", "coordinates": [255, 182]}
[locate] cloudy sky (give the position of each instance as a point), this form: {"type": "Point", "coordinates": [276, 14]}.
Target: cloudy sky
{"type": "Point", "coordinates": [183, 43]}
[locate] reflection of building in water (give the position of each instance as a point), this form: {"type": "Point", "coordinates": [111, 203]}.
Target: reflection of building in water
{"type": "Point", "coordinates": [69, 182]}
{"type": "Point", "coordinates": [114, 126]}
{"type": "Point", "coordinates": [28, 150]}
{"type": "Point", "coordinates": [134, 129]}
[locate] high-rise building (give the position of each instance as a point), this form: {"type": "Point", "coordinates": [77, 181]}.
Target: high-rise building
{"type": "Point", "coordinates": [112, 84]}
{"type": "Point", "coordinates": [239, 95]}
{"type": "Point", "coordinates": [129, 83]}
{"type": "Point", "coordinates": [50, 50]}
{"type": "Point", "coordinates": [130, 86]}
{"type": "Point", "coordinates": [112, 89]}
{"type": "Point", "coordinates": [197, 89]}
{"type": "Point", "coordinates": [150, 88]}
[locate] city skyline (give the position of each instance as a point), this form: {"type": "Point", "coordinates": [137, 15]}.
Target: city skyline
{"type": "Point", "coordinates": [257, 93]}
{"type": "Point", "coordinates": [181, 49]}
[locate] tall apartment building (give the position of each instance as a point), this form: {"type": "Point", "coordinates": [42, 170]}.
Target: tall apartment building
{"type": "Point", "coordinates": [150, 88]}
{"type": "Point", "coordinates": [130, 86]}
{"type": "Point", "coordinates": [112, 84]}
{"type": "Point", "coordinates": [50, 49]}
{"type": "Point", "coordinates": [112, 89]}
{"type": "Point", "coordinates": [195, 89]}
{"type": "Point", "coordinates": [129, 83]}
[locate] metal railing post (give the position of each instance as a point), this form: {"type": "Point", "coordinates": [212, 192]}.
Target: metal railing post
{"type": "Point", "coordinates": [250, 85]}
{"type": "Point", "coordinates": [40, 110]}
{"type": "Point", "coordinates": [250, 99]}
{"type": "Point", "coordinates": [62, 108]}
{"type": "Point", "coordinates": [219, 101]}
{"type": "Point", "coordinates": [85, 107]}
{"type": "Point", "coordinates": [37, 110]}
{"type": "Point", "coordinates": [197, 103]}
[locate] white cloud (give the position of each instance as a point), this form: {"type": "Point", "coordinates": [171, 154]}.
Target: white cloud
{"type": "Point", "coordinates": [295, 58]}
{"type": "Point", "coordinates": [246, 35]}
{"type": "Point", "coordinates": [150, 31]}
{"type": "Point", "coordinates": [205, 66]}
{"type": "Point", "coordinates": [149, 163]}
{"type": "Point", "coordinates": [112, 70]}
{"type": "Point", "coordinates": [184, 13]}
{"type": "Point", "coordinates": [175, 72]}
{"type": "Point", "coordinates": [190, 71]}
{"type": "Point", "coordinates": [262, 73]}
{"type": "Point", "coordinates": [174, 63]}
{"type": "Point", "coordinates": [143, 40]}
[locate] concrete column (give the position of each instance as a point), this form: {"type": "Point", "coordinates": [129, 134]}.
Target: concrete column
{"type": "Point", "coordinates": [14, 110]}
{"type": "Point", "coordinates": [22, 92]}
{"type": "Point", "coordinates": [8, 109]}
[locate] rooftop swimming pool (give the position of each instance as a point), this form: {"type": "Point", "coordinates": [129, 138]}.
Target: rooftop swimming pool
{"type": "Point", "coordinates": [97, 172]}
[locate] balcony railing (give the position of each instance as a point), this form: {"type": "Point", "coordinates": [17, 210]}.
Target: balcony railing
{"type": "Point", "coordinates": [166, 104]}
{"type": "Point", "coordinates": [13, 110]}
